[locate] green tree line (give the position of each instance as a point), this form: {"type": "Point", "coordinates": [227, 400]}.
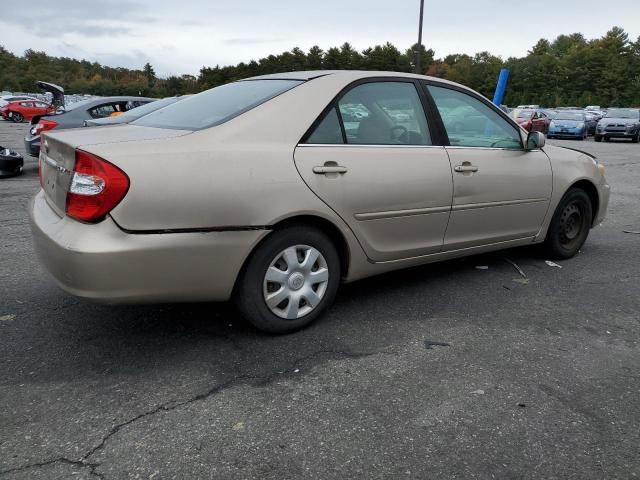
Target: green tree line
{"type": "Point", "coordinates": [570, 70]}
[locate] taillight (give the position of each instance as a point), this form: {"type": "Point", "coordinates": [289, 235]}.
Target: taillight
{"type": "Point", "coordinates": [97, 186]}
{"type": "Point", "coordinates": [42, 126]}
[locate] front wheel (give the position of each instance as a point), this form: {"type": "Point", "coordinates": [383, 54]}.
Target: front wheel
{"type": "Point", "coordinates": [636, 138]}
{"type": "Point", "coordinates": [289, 280]}
{"type": "Point", "coordinates": [597, 138]}
{"type": "Point", "coordinates": [570, 225]}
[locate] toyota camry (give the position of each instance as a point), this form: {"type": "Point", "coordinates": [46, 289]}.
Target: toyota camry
{"type": "Point", "coordinates": [273, 190]}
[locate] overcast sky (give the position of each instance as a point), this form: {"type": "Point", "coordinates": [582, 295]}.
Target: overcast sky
{"type": "Point", "coordinates": [181, 36]}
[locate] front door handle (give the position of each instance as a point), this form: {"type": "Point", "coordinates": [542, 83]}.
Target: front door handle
{"type": "Point", "coordinates": [466, 168]}
{"type": "Point", "coordinates": [321, 170]}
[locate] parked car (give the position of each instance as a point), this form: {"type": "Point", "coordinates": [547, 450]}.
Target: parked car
{"type": "Point", "coordinates": [591, 120]}
{"type": "Point", "coordinates": [532, 120]}
{"type": "Point", "coordinates": [21, 110]}
{"type": "Point", "coordinates": [14, 98]}
{"type": "Point", "coordinates": [569, 124]}
{"type": "Point", "coordinates": [135, 113]}
{"type": "Point", "coordinates": [619, 123]}
{"type": "Point", "coordinates": [74, 115]}
{"type": "Point", "coordinates": [254, 191]}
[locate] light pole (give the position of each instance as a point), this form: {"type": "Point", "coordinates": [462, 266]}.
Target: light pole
{"type": "Point", "coordinates": [419, 52]}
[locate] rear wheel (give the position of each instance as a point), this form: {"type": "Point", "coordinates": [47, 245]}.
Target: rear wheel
{"type": "Point", "coordinates": [17, 117]}
{"type": "Point", "coordinates": [289, 281]}
{"type": "Point", "coordinates": [570, 225]}
{"type": "Point", "coordinates": [636, 138]}
{"type": "Point", "coordinates": [597, 138]}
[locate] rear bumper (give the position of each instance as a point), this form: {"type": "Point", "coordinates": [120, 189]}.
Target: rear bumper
{"type": "Point", "coordinates": [102, 263]}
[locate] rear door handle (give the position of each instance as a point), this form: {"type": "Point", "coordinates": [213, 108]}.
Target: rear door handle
{"type": "Point", "coordinates": [320, 170]}
{"type": "Point", "coordinates": [466, 168]}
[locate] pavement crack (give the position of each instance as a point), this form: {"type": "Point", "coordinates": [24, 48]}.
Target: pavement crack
{"type": "Point", "coordinates": [257, 380]}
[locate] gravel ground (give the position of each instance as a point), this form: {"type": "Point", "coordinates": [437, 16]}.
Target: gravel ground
{"type": "Point", "coordinates": [536, 380]}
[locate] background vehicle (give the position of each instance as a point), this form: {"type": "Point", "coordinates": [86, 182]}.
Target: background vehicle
{"type": "Point", "coordinates": [135, 113]}
{"type": "Point", "coordinates": [14, 98]}
{"type": "Point", "coordinates": [19, 111]}
{"type": "Point", "coordinates": [569, 124]}
{"type": "Point", "coordinates": [532, 120]}
{"type": "Point", "coordinates": [619, 123]}
{"type": "Point", "coordinates": [74, 116]}
{"type": "Point", "coordinates": [273, 204]}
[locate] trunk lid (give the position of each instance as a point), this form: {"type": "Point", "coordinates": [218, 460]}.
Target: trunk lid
{"type": "Point", "coordinates": [58, 154]}
{"type": "Point", "coordinates": [56, 90]}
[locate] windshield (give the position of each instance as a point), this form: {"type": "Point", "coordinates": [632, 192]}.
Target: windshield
{"type": "Point", "coordinates": [217, 105]}
{"type": "Point", "coordinates": [623, 113]}
{"type": "Point", "coordinates": [574, 116]}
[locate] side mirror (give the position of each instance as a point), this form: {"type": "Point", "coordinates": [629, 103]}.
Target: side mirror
{"type": "Point", "coordinates": [535, 140]}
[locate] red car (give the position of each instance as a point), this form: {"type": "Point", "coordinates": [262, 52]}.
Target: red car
{"type": "Point", "coordinates": [25, 109]}
{"type": "Point", "coordinates": [532, 120]}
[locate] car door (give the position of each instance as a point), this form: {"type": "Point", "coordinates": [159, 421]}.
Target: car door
{"type": "Point", "coordinates": [501, 191]}
{"type": "Point", "coordinates": [26, 109]}
{"type": "Point", "coordinates": [370, 157]}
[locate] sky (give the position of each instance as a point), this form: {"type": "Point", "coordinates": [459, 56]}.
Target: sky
{"type": "Point", "coordinates": [179, 37]}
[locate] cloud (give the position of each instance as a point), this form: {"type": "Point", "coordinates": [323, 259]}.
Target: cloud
{"type": "Point", "coordinates": [250, 41]}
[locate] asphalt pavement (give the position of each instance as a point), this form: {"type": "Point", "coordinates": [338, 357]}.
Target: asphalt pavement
{"type": "Point", "coordinates": [438, 372]}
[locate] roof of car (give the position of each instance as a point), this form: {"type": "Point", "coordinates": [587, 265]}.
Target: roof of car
{"type": "Point", "coordinates": [311, 74]}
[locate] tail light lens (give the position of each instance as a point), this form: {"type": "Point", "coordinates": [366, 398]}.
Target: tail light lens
{"type": "Point", "coordinates": [43, 126]}
{"type": "Point", "coordinates": [97, 186]}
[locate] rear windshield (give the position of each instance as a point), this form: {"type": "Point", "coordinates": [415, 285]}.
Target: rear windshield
{"type": "Point", "coordinates": [217, 105]}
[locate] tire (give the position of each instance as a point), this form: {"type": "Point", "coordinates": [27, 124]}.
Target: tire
{"type": "Point", "coordinates": [607, 139]}
{"type": "Point", "coordinates": [290, 277]}
{"type": "Point", "coordinates": [570, 225]}
{"type": "Point", "coordinates": [17, 117]}
{"type": "Point", "coordinates": [636, 138]}
{"type": "Point", "coordinates": [597, 138]}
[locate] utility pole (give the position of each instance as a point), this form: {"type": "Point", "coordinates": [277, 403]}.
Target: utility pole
{"type": "Point", "coordinates": [419, 52]}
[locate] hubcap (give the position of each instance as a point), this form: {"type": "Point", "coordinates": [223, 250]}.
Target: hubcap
{"type": "Point", "coordinates": [295, 282]}
{"type": "Point", "coordinates": [570, 224]}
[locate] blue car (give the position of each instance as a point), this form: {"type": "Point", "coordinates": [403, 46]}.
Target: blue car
{"type": "Point", "coordinates": [569, 124]}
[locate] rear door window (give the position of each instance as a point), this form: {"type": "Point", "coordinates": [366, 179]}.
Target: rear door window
{"type": "Point", "coordinates": [384, 113]}
{"type": "Point", "coordinates": [328, 130]}
{"type": "Point", "coordinates": [102, 111]}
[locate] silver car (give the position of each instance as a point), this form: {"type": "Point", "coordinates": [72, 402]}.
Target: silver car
{"type": "Point", "coordinates": [273, 190]}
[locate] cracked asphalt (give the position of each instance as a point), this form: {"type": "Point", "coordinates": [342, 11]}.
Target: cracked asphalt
{"type": "Point", "coordinates": [536, 377]}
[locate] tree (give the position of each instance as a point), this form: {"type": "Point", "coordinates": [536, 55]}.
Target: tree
{"type": "Point", "coordinates": [150, 73]}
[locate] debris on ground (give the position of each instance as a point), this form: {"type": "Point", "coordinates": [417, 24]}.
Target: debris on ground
{"type": "Point", "coordinates": [635, 232]}
{"type": "Point", "coordinates": [430, 343]}
{"type": "Point", "coordinates": [238, 426]}
{"type": "Point", "coordinates": [482, 267]}
{"type": "Point", "coordinates": [552, 264]}
{"type": "Point", "coordinates": [522, 281]}
{"type": "Point", "coordinates": [477, 392]}
{"type": "Point", "coordinates": [522, 405]}
{"type": "Point", "coordinates": [522, 274]}
{"type": "Point", "coordinates": [7, 318]}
